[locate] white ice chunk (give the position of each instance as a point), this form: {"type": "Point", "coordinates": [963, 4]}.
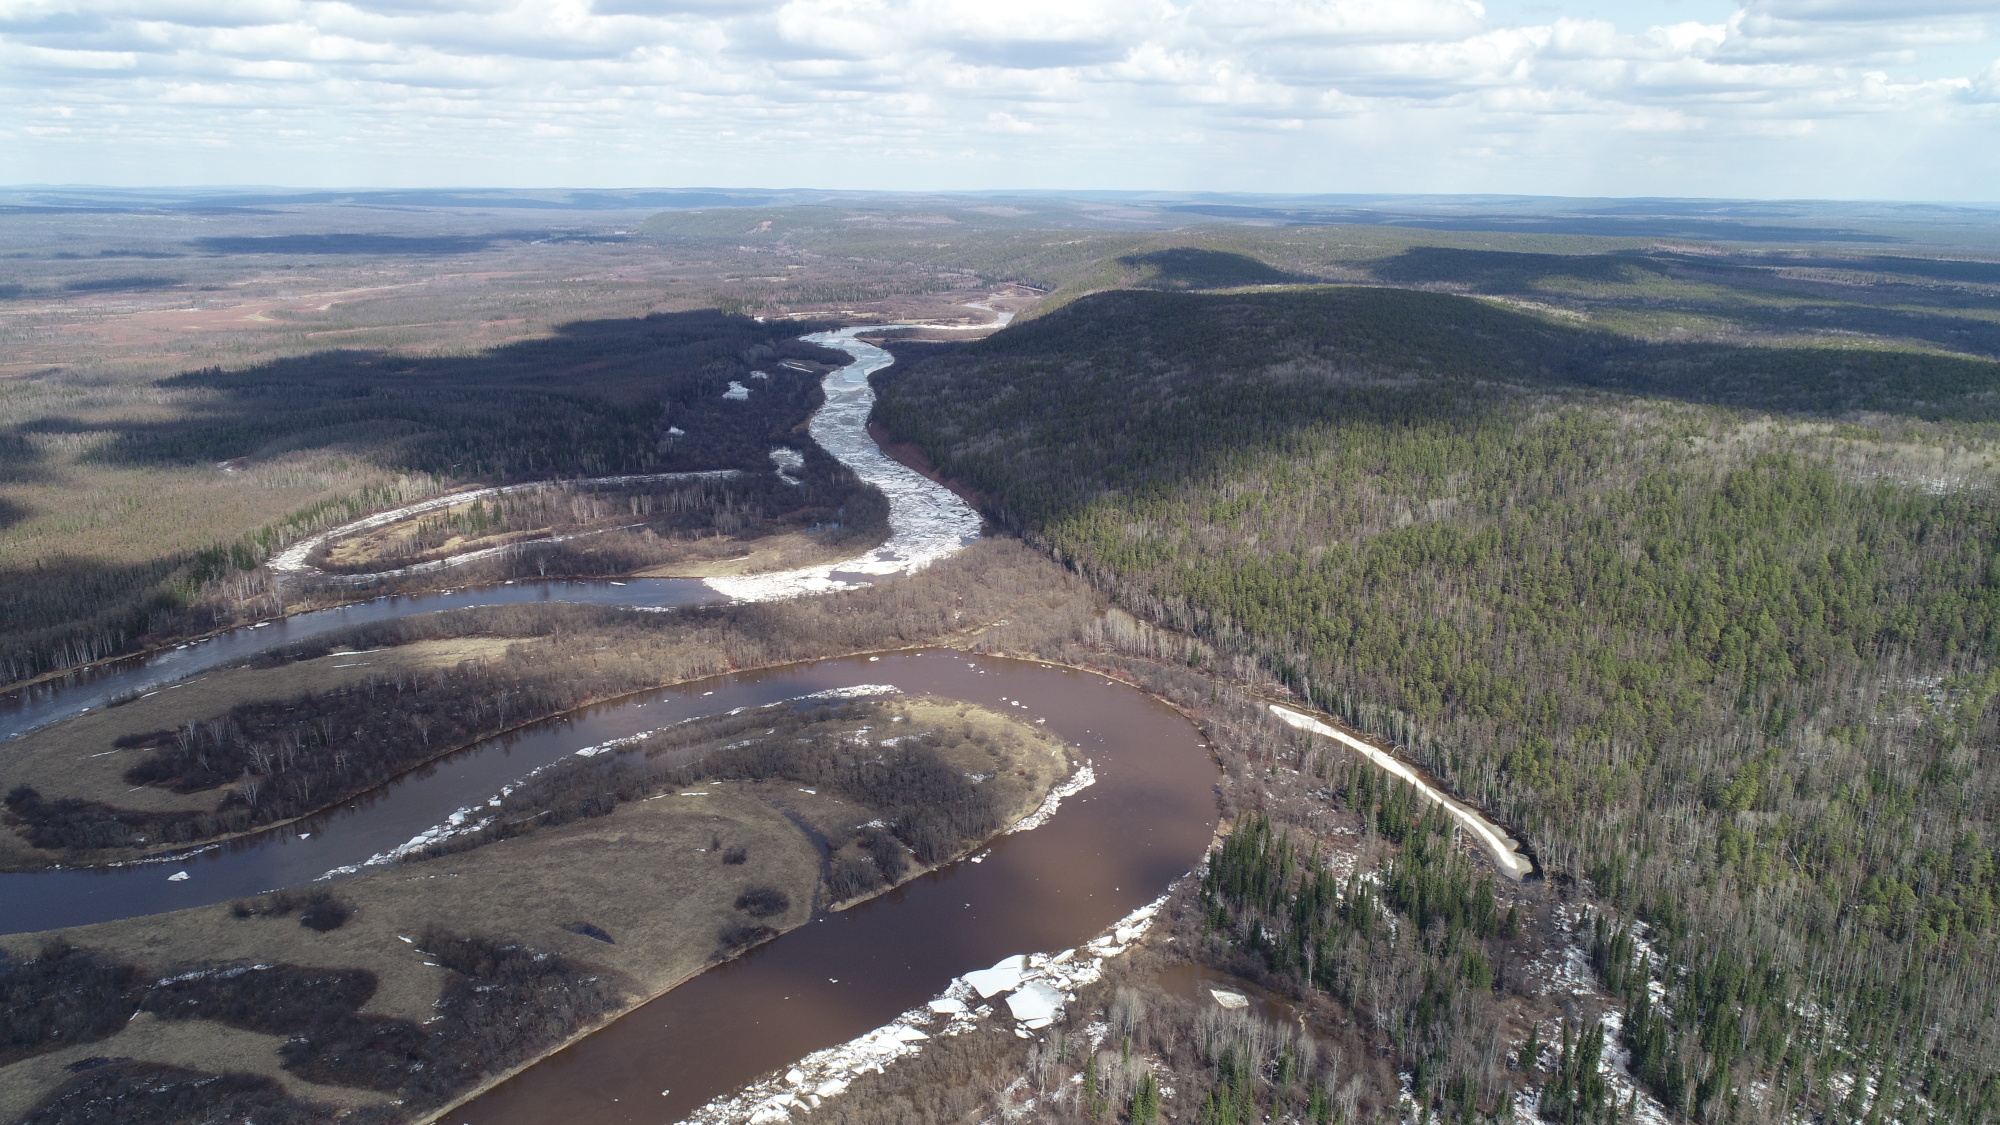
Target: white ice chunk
{"type": "Point", "coordinates": [946, 1006]}
{"type": "Point", "coordinates": [1035, 1001]}
{"type": "Point", "coordinates": [1004, 977]}
{"type": "Point", "coordinates": [178, 877]}
{"type": "Point", "coordinates": [926, 521]}
{"type": "Point", "coordinates": [737, 392]}
{"type": "Point", "coordinates": [1228, 999]}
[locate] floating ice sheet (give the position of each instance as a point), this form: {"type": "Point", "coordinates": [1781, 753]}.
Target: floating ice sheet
{"type": "Point", "coordinates": [926, 521]}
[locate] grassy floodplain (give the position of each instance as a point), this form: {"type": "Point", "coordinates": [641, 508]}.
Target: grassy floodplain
{"type": "Point", "coordinates": [696, 860]}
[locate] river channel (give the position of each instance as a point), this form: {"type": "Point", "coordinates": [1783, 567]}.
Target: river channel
{"type": "Point", "coordinates": [1113, 846]}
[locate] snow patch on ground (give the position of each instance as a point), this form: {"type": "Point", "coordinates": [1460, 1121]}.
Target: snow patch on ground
{"type": "Point", "coordinates": [1506, 852]}
{"type": "Point", "coordinates": [789, 462]}
{"type": "Point", "coordinates": [1041, 986]}
{"type": "Point", "coordinates": [1082, 779]}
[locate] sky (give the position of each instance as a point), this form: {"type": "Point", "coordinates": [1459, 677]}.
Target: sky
{"type": "Point", "coordinates": [1825, 99]}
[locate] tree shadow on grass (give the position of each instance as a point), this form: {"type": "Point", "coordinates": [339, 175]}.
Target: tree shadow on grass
{"type": "Point", "coordinates": [595, 398]}
{"type": "Point", "coordinates": [1188, 267]}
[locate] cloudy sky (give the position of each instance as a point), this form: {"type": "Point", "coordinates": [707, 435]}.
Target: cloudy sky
{"type": "Point", "coordinates": [1846, 99]}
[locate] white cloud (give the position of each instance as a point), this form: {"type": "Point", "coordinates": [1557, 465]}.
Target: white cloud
{"type": "Point", "coordinates": [1797, 97]}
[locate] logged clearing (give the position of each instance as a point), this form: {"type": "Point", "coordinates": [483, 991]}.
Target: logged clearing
{"type": "Point", "coordinates": [662, 878]}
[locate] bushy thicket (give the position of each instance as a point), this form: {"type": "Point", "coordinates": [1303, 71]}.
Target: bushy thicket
{"type": "Point", "coordinates": [144, 1093]}
{"type": "Point", "coordinates": [317, 909]}
{"type": "Point", "coordinates": [272, 999]}
{"type": "Point", "coordinates": [929, 805]}
{"type": "Point", "coordinates": [61, 996]}
{"type": "Point", "coordinates": [506, 1004]}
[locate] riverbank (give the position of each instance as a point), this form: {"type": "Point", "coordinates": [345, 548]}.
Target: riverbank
{"type": "Point", "coordinates": [590, 656]}
{"type": "Point", "coordinates": [652, 894]}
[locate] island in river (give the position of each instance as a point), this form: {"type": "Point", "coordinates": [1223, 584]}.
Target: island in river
{"type": "Point", "coordinates": [583, 890]}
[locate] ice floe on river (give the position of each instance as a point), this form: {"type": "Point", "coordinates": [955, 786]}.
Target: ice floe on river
{"type": "Point", "coordinates": [1036, 988]}
{"type": "Point", "coordinates": [926, 521]}
{"type": "Point", "coordinates": [1075, 783]}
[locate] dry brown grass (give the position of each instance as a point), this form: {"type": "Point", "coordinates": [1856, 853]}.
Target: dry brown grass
{"type": "Point", "coordinates": [728, 557]}
{"type": "Point", "coordinates": [89, 360]}
{"type": "Point", "coordinates": [649, 874]}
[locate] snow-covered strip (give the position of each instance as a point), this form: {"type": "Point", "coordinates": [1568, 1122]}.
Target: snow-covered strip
{"type": "Point", "coordinates": [220, 973]}
{"type": "Point", "coordinates": [461, 822]}
{"type": "Point", "coordinates": [926, 521]}
{"type": "Point", "coordinates": [858, 691]}
{"type": "Point", "coordinates": [1037, 989]}
{"type": "Point", "coordinates": [789, 462]}
{"type": "Point", "coordinates": [292, 560]}
{"type": "Point", "coordinates": [1075, 783]}
{"type": "Point", "coordinates": [1506, 852]}
{"type": "Point", "coordinates": [175, 857]}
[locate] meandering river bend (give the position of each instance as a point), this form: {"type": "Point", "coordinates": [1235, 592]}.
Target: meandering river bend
{"type": "Point", "coordinates": [1114, 846]}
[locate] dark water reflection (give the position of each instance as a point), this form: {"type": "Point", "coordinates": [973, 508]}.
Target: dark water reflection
{"type": "Point", "coordinates": [24, 709]}
{"type": "Point", "coordinates": [1113, 847]}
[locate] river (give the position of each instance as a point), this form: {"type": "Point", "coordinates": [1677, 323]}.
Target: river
{"type": "Point", "coordinates": [1114, 846]}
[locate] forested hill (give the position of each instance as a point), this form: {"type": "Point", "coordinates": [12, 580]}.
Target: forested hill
{"type": "Point", "coordinates": [1733, 668]}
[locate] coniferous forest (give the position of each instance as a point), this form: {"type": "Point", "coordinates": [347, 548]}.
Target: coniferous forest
{"type": "Point", "coordinates": [1713, 626]}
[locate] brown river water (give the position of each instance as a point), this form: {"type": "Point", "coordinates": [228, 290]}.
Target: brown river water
{"type": "Point", "coordinates": [1114, 846]}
